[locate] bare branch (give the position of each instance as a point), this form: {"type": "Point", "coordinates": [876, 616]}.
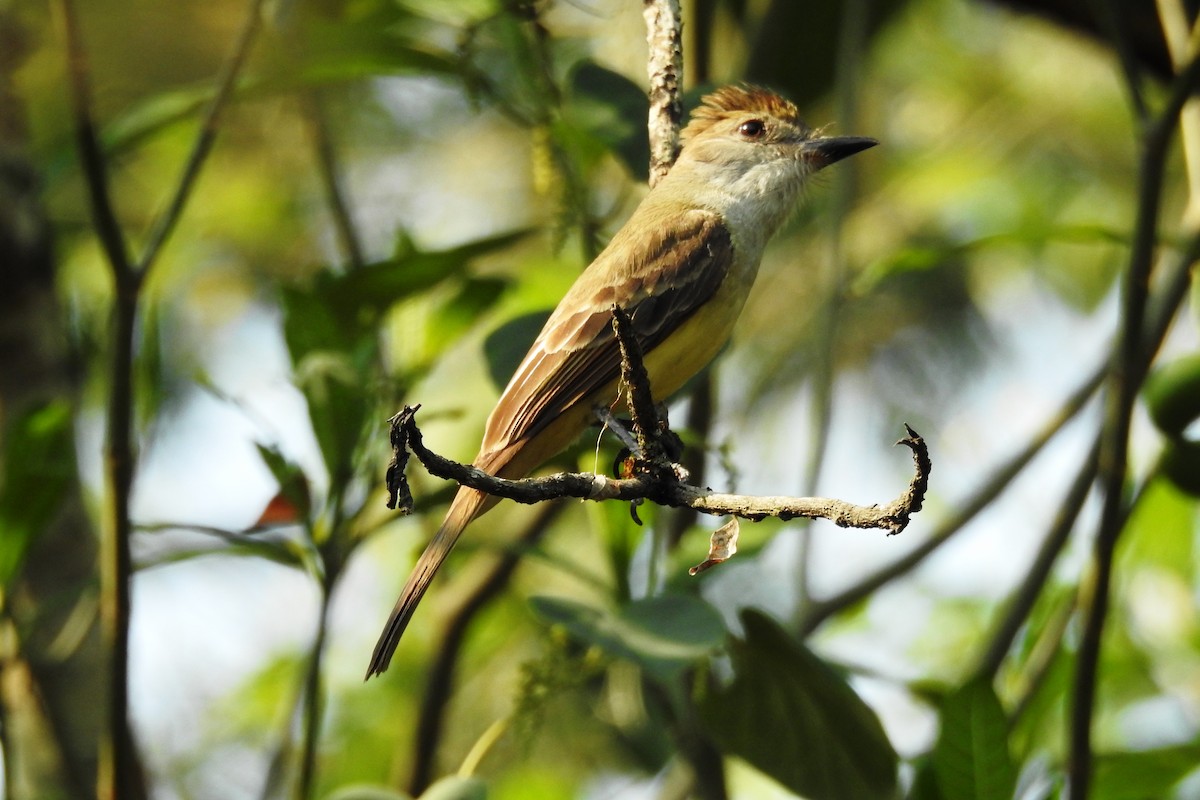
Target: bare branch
{"type": "Point", "coordinates": [654, 477]}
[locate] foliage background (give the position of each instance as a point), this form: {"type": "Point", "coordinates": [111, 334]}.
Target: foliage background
{"type": "Point", "coordinates": [396, 190]}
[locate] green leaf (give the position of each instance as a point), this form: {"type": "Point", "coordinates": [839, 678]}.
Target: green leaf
{"type": "Point", "coordinates": [338, 402]}
{"type": "Point", "coordinates": [367, 792]}
{"type": "Point", "coordinates": [795, 719]}
{"type": "Point", "coordinates": [376, 287]}
{"type": "Point", "coordinates": [1138, 775]}
{"type": "Point", "coordinates": [280, 552]}
{"type": "Point", "coordinates": [971, 759]}
{"type": "Point", "coordinates": [1181, 466]}
{"type": "Point", "coordinates": [455, 316]}
{"type": "Point", "coordinates": [145, 119]}
{"type": "Point", "coordinates": [456, 788]}
{"type": "Point", "coordinates": [663, 635]}
{"type": "Point", "coordinates": [39, 469]}
{"type": "Point", "coordinates": [1172, 395]}
{"type": "Point", "coordinates": [340, 310]}
{"type": "Point", "coordinates": [1160, 530]}
{"type": "Point", "coordinates": [925, 785]}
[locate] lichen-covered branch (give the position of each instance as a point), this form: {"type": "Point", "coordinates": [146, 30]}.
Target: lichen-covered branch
{"type": "Point", "coordinates": [658, 487]}
{"type": "Point", "coordinates": [664, 65]}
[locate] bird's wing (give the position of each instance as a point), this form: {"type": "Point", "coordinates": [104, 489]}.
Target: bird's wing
{"type": "Point", "coordinates": [659, 281]}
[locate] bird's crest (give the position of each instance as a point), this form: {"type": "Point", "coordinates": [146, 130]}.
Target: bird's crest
{"type": "Point", "coordinates": [730, 100]}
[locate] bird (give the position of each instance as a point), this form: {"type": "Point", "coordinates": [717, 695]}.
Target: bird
{"type": "Point", "coordinates": [681, 267]}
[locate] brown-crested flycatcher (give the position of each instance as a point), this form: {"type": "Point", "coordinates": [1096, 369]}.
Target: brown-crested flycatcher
{"type": "Point", "coordinates": [681, 267]}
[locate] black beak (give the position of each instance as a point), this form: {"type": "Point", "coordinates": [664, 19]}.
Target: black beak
{"type": "Point", "coordinates": [825, 151]}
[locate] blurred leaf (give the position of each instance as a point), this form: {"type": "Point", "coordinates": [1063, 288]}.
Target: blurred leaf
{"type": "Point", "coordinates": [157, 378]}
{"type": "Point", "coordinates": [1140, 775]}
{"type": "Point", "coordinates": [1160, 529]}
{"type": "Point", "coordinates": [279, 510]}
{"type": "Point", "coordinates": [150, 116]}
{"type": "Point", "coordinates": [663, 635]}
{"type": "Point", "coordinates": [456, 788]}
{"type": "Point", "coordinates": [506, 346]}
{"type": "Point", "coordinates": [338, 402]}
{"type": "Point", "coordinates": [1172, 395]}
{"type": "Point", "coordinates": [796, 48]}
{"type": "Point", "coordinates": [377, 286]}
{"type": "Point", "coordinates": [38, 471]}
{"type": "Point", "coordinates": [331, 53]}
{"type": "Point", "coordinates": [1181, 466]}
{"type": "Point", "coordinates": [473, 299]}
{"type": "Point", "coordinates": [367, 792]}
{"type": "Point", "coordinates": [340, 310]}
{"type": "Point", "coordinates": [311, 326]}
{"type": "Point", "coordinates": [614, 110]}
{"type": "Point", "coordinates": [791, 716]}
{"type": "Point", "coordinates": [971, 758]}
{"type": "Point", "coordinates": [281, 553]}
{"type": "Point", "coordinates": [925, 784]}
{"type": "Point", "coordinates": [931, 250]}
{"type": "Point", "coordinates": [255, 542]}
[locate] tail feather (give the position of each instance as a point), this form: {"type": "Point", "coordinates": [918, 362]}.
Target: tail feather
{"type": "Point", "coordinates": [467, 505]}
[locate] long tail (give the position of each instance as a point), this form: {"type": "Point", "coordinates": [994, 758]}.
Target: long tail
{"type": "Point", "coordinates": [467, 505]}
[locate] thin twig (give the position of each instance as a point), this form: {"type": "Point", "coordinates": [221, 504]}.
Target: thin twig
{"type": "Point", "coordinates": [1163, 307]}
{"type": "Point", "coordinates": [646, 424]}
{"type": "Point", "coordinates": [1035, 578]}
{"type": "Point", "coordinates": [166, 221]}
{"type": "Point", "coordinates": [327, 168]}
{"type": "Point", "coordinates": [1126, 375]}
{"type": "Point", "coordinates": [1041, 658]}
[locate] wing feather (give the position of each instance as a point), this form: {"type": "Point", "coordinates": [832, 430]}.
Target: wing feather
{"type": "Point", "coordinates": [660, 282]}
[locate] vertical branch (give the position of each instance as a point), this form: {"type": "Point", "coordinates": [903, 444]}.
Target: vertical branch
{"type": "Point", "coordinates": [91, 157]}
{"type": "Point", "coordinates": [119, 773]}
{"type": "Point", "coordinates": [664, 65]}
{"type": "Point", "coordinates": [1110, 16]}
{"type": "Point", "coordinates": [327, 165]}
{"type": "Point", "coordinates": [1125, 378]}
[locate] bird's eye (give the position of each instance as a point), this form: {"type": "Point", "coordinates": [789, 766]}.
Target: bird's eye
{"type": "Point", "coordinates": [752, 129]}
